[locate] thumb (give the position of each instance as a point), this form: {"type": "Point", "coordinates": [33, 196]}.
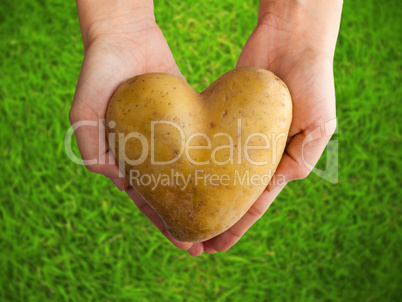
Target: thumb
{"type": "Point", "coordinates": [302, 153]}
{"type": "Point", "coordinates": [176, 71]}
{"type": "Point", "coordinates": [254, 52]}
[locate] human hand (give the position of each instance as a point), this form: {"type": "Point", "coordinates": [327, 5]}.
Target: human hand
{"type": "Point", "coordinates": [117, 46]}
{"type": "Point", "coordinates": [296, 41]}
{"type": "Point", "coordinates": [121, 40]}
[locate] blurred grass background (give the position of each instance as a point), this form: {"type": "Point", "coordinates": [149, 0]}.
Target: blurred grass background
{"type": "Point", "coordinates": [68, 235]}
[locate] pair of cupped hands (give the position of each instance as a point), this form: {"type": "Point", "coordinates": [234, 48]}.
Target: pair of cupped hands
{"type": "Point", "coordinates": [298, 49]}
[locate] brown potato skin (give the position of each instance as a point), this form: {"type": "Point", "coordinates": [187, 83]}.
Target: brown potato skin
{"type": "Point", "coordinates": [201, 211]}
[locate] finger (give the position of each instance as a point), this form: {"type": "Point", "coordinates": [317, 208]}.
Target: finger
{"type": "Point", "coordinates": [167, 64]}
{"type": "Point", "coordinates": [208, 248]}
{"type": "Point", "coordinates": [196, 249]}
{"type": "Point", "coordinates": [147, 210]}
{"type": "Point", "coordinates": [254, 52]}
{"type": "Point", "coordinates": [91, 140]}
{"type": "Point", "coordinates": [227, 239]}
{"type": "Point", "coordinates": [176, 71]}
{"type": "Point", "coordinates": [121, 183]}
{"type": "Point", "coordinates": [302, 153]}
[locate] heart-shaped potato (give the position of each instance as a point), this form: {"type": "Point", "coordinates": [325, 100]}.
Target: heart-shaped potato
{"type": "Point", "coordinates": [200, 160]}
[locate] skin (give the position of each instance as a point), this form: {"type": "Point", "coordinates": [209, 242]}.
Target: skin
{"type": "Point", "coordinates": [296, 41]}
{"type": "Point", "coordinates": [293, 39]}
{"type": "Point", "coordinates": [135, 46]}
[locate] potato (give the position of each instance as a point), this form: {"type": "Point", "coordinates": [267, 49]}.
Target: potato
{"type": "Point", "coordinates": [200, 160]}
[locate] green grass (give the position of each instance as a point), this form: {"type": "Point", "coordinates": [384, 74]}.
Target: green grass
{"type": "Point", "coordinates": [69, 235]}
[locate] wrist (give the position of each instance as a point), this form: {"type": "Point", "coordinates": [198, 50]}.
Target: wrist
{"type": "Point", "coordinates": [112, 18]}
{"type": "Point", "coordinates": [294, 27]}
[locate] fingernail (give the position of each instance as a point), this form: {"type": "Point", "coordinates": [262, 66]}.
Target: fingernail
{"type": "Point", "coordinates": [272, 188]}
{"type": "Point", "coordinates": [118, 183]}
